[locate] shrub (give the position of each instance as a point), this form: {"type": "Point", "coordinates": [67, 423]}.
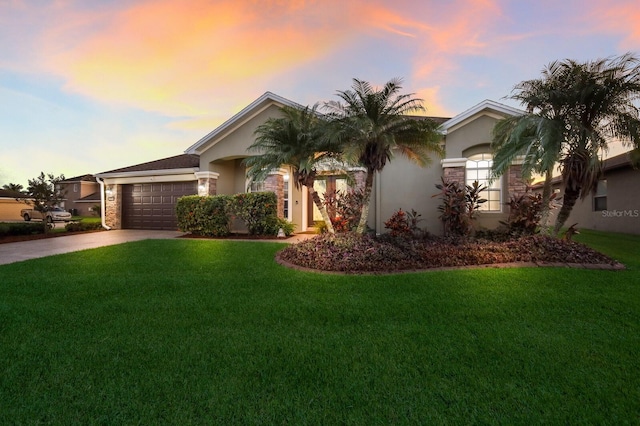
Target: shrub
{"type": "Point", "coordinates": [460, 204]}
{"type": "Point", "coordinates": [82, 226]}
{"type": "Point", "coordinates": [207, 216]}
{"type": "Point", "coordinates": [275, 223]}
{"type": "Point", "coordinates": [20, 228]}
{"type": "Point", "coordinates": [525, 212]}
{"type": "Point", "coordinates": [404, 224]}
{"type": "Point", "coordinates": [344, 207]}
{"type": "Point", "coordinates": [256, 210]}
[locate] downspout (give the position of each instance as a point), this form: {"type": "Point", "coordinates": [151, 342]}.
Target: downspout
{"type": "Point", "coordinates": [102, 205]}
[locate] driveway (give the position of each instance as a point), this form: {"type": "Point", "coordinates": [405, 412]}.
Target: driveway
{"type": "Point", "coordinates": [25, 250]}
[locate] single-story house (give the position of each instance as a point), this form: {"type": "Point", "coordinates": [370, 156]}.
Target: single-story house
{"type": "Point", "coordinates": [81, 195]}
{"type": "Point", "coordinates": [613, 206]}
{"type": "Point", "coordinates": [144, 195]}
{"type": "Point", "coordinates": [11, 202]}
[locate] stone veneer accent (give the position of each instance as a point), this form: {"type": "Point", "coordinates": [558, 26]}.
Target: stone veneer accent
{"type": "Point", "coordinates": [359, 176]}
{"type": "Point", "coordinates": [516, 186]}
{"type": "Point", "coordinates": [113, 206]}
{"type": "Point", "coordinates": [454, 174]}
{"type": "Point", "coordinates": [275, 183]}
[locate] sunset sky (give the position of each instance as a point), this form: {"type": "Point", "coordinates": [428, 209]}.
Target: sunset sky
{"type": "Point", "coordinates": [88, 86]}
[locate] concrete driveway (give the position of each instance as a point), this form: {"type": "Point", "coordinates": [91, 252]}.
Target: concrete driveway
{"type": "Point", "coordinates": [25, 250]}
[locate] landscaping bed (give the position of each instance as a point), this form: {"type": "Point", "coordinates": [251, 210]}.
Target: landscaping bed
{"type": "Point", "coordinates": [352, 253]}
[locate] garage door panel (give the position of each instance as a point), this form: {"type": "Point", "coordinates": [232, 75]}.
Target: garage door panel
{"type": "Point", "coordinates": [152, 206]}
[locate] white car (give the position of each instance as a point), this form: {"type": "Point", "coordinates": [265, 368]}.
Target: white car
{"type": "Point", "coordinates": [56, 214]}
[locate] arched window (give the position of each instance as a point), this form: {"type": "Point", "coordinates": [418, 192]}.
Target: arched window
{"type": "Point", "coordinates": [478, 168]}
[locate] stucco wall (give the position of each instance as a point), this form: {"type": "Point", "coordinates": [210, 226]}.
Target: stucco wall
{"type": "Point", "coordinates": [10, 209]}
{"type": "Point", "coordinates": [623, 205]}
{"type": "Point", "coordinates": [471, 133]}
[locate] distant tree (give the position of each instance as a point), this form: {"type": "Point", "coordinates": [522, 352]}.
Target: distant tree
{"type": "Point", "coordinates": [15, 187]}
{"type": "Point", "coordinates": [44, 193]}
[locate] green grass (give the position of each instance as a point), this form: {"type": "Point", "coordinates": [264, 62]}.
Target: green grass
{"type": "Point", "coordinates": [214, 332]}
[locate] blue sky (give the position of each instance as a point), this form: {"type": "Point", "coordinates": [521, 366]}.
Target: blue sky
{"type": "Point", "coordinates": [90, 86]}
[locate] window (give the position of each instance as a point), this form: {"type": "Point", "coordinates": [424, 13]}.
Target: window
{"type": "Point", "coordinates": [600, 196]}
{"type": "Point", "coordinates": [286, 196]}
{"type": "Point", "coordinates": [75, 187]}
{"type": "Point", "coordinates": [478, 168]}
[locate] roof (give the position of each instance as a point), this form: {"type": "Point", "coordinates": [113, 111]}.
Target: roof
{"type": "Point", "coordinates": [83, 178]}
{"type": "Point", "coordinates": [245, 114]}
{"type": "Point", "coordinates": [182, 161]}
{"type": "Point", "coordinates": [487, 104]}
{"type": "Point", "coordinates": [6, 193]}
{"type": "Point", "coordinates": [95, 197]}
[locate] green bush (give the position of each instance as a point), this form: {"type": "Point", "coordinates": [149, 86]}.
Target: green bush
{"type": "Point", "coordinates": [82, 226]}
{"type": "Point", "coordinates": [275, 223]}
{"type": "Point", "coordinates": [257, 210]}
{"type": "Point", "coordinates": [207, 216]}
{"type": "Point", "coordinates": [21, 228]}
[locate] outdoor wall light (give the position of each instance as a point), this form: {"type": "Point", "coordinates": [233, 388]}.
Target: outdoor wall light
{"type": "Point", "coordinates": [109, 192]}
{"type": "Point", "coordinates": [201, 188]}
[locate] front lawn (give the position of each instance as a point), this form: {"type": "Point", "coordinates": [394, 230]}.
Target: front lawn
{"type": "Point", "coordinates": [215, 332]}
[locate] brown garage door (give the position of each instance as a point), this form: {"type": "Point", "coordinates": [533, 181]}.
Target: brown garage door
{"type": "Point", "coordinates": [153, 205]}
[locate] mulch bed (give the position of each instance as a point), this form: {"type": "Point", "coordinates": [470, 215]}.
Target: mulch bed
{"type": "Point", "coordinates": [19, 238]}
{"type": "Point", "coordinates": [357, 255]}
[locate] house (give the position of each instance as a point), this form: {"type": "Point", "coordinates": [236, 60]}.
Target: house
{"type": "Point", "coordinates": [81, 195]}
{"type": "Point", "coordinates": [11, 202]}
{"type": "Point", "coordinates": [613, 205]}
{"type": "Point", "coordinates": [144, 195]}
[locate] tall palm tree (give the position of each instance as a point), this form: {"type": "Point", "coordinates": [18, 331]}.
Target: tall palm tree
{"type": "Point", "coordinates": [601, 100]}
{"type": "Point", "coordinates": [535, 137]}
{"type": "Point", "coordinates": [372, 124]}
{"type": "Point", "coordinates": [295, 140]}
{"type": "Point", "coordinates": [573, 112]}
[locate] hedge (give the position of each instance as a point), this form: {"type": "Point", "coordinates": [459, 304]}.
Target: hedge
{"type": "Point", "coordinates": [21, 228]}
{"type": "Point", "coordinates": [208, 216]}
{"type": "Point", "coordinates": [212, 215]}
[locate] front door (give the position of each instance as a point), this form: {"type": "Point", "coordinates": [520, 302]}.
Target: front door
{"type": "Point", "coordinates": [325, 185]}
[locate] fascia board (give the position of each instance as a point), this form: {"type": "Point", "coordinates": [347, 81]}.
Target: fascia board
{"type": "Point", "coordinates": [147, 173]}
{"type": "Point", "coordinates": [476, 109]}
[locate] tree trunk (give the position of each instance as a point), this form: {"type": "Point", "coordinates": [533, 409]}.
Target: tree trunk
{"type": "Point", "coordinates": [323, 211]}
{"type": "Point", "coordinates": [364, 213]}
{"type": "Point", "coordinates": [546, 199]}
{"type": "Point", "coordinates": [568, 201]}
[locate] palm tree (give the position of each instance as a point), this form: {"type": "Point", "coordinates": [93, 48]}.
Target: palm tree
{"type": "Point", "coordinates": [601, 98]}
{"type": "Point", "coordinates": [371, 125]}
{"type": "Point", "coordinates": [535, 137]}
{"type": "Point", "coordinates": [573, 112]}
{"type": "Point", "coordinates": [15, 187]}
{"type": "Point", "coordinates": [295, 140]}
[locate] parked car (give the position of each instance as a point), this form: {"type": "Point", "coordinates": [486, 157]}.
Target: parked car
{"type": "Point", "coordinates": [55, 214]}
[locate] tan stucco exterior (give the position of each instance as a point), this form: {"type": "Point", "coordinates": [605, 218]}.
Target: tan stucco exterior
{"type": "Point", "coordinates": [10, 209]}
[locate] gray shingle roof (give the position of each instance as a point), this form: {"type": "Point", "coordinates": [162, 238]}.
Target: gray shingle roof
{"type": "Point", "coordinates": [183, 161]}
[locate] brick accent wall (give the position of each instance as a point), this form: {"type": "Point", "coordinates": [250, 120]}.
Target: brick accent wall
{"type": "Point", "coordinates": [359, 176]}
{"type": "Point", "coordinates": [207, 186]}
{"type": "Point", "coordinates": [454, 174]}
{"type": "Point", "coordinates": [113, 206]}
{"type": "Point", "coordinates": [275, 183]}
{"type": "Point", "coordinates": [516, 186]}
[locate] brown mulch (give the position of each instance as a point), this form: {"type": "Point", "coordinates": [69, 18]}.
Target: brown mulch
{"type": "Point", "coordinates": [236, 237]}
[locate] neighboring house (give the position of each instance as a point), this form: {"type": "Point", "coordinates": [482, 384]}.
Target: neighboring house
{"type": "Point", "coordinates": [11, 202]}
{"type": "Point", "coordinates": [143, 196]}
{"type": "Point", "coordinates": [81, 194]}
{"type": "Point", "coordinates": [613, 206]}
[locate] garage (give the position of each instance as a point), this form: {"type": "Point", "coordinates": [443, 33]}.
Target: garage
{"type": "Point", "coordinates": [153, 205]}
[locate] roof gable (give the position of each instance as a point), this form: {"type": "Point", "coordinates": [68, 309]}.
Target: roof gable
{"type": "Point", "coordinates": [485, 107]}
{"type": "Point", "coordinates": [248, 112]}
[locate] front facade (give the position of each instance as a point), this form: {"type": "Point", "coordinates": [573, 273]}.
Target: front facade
{"type": "Point", "coordinates": [144, 196]}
